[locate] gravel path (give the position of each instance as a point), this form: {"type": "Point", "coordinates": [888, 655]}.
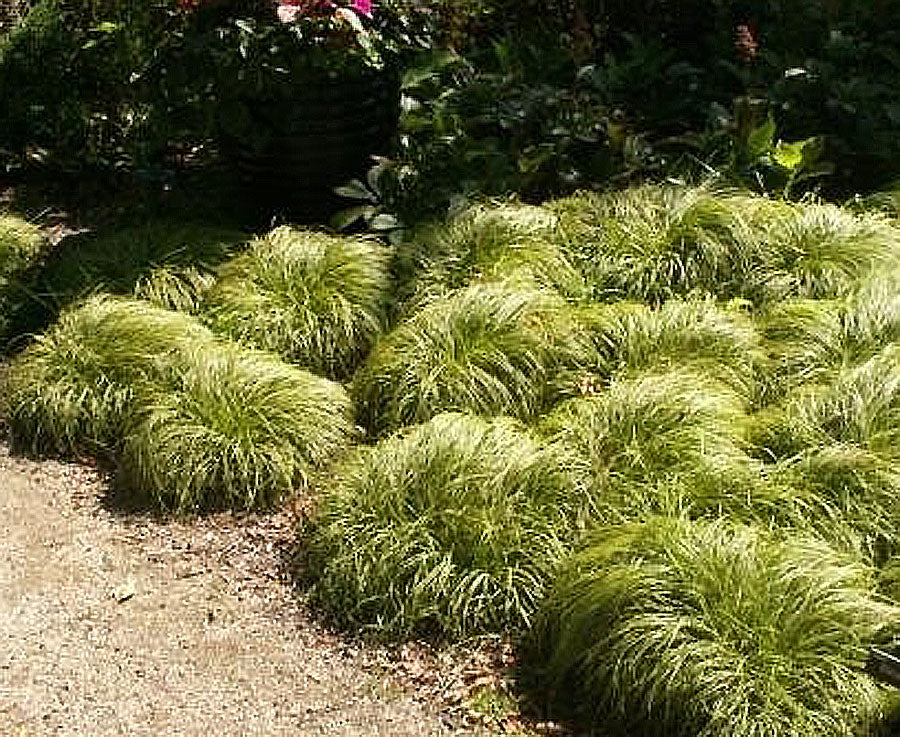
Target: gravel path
{"type": "Point", "coordinates": [119, 624]}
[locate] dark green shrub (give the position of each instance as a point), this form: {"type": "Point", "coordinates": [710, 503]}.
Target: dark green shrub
{"type": "Point", "coordinates": [449, 528]}
{"type": "Point", "coordinates": [672, 627]}
{"type": "Point", "coordinates": [316, 299]}
{"type": "Point", "coordinates": [228, 427]}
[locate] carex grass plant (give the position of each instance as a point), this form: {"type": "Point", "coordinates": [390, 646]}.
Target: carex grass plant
{"type": "Point", "coordinates": [496, 241]}
{"type": "Point", "coordinates": [232, 427]}
{"type": "Point", "coordinates": [120, 258]}
{"type": "Point", "coordinates": [74, 387]}
{"type": "Point", "coordinates": [676, 426]}
{"type": "Point", "coordinates": [860, 407]}
{"type": "Point", "coordinates": [672, 627]}
{"type": "Point", "coordinates": [651, 243]}
{"type": "Point", "coordinates": [21, 245]}
{"type": "Point", "coordinates": [848, 494]}
{"type": "Point", "coordinates": [317, 299]}
{"type": "Point", "coordinates": [820, 250]}
{"type": "Point", "coordinates": [446, 529]}
{"type": "Point", "coordinates": [812, 340]}
{"type": "Point", "coordinates": [490, 348]}
{"type": "Point", "coordinates": [716, 340]}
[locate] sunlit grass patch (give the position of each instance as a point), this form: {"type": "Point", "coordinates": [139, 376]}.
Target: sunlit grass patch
{"type": "Point", "coordinates": [652, 243]}
{"type": "Point", "coordinates": [317, 299]}
{"type": "Point", "coordinates": [21, 245]}
{"type": "Point", "coordinates": [74, 387]}
{"type": "Point", "coordinates": [671, 627]}
{"type": "Point", "coordinates": [493, 349]}
{"type": "Point", "coordinates": [230, 427]}
{"type": "Point", "coordinates": [448, 528]}
{"type": "Point", "coordinates": [500, 241]}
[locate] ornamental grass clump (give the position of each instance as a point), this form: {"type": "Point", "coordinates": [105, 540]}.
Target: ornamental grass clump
{"type": "Point", "coordinates": [314, 298]}
{"type": "Point", "coordinates": [651, 243]}
{"type": "Point", "coordinates": [860, 407]}
{"type": "Point", "coordinates": [448, 529]}
{"type": "Point", "coordinates": [493, 349]}
{"type": "Point", "coordinates": [847, 494]}
{"type": "Point", "coordinates": [698, 333]}
{"type": "Point", "coordinates": [487, 242]}
{"type": "Point", "coordinates": [814, 340]}
{"type": "Point", "coordinates": [702, 629]}
{"type": "Point", "coordinates": [232, 427]}
{"type": "Point", "coordinates": [674, 427]}
{"type": "Point", "coordinates": [21, 244]}
{"type": "Point", "coordinates": [74, 387]}
{"type": "Point", "coordinates": [820, 251]}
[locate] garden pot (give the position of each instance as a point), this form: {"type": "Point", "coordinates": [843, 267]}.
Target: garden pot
{"type": "Point", "coordinates": [303, 145]}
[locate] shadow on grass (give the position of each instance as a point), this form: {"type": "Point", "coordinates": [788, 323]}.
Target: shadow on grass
{"type": "Point", "coordinates": [115, 258]}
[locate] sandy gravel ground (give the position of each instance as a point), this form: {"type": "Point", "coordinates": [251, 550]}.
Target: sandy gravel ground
{"type": "Point", "coordinates": [116, 623]}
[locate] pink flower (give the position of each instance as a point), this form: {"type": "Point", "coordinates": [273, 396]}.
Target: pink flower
{"type": "Point", "coordinates": [363, 7]}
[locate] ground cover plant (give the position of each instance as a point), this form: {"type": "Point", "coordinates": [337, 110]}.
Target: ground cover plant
{"type": "Point", "coordinates": [316, 299]}
{"type": "Point", "coordinates": [229, 427]}
{"type": "Point", "coordinates": [21, 244]}
{"type": "Point", "coordinates": [707, 628]}
{"type": "Point", "coordinates": [448, 528]}
{"type": "Point", "coordinates": [490, 348]}
{"type": "Point", "coordinates": [168, 260]}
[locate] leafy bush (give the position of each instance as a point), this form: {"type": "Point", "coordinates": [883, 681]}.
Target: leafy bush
{"type": "Point", "coordinates": [72, 82]}
{"type": "Point", "coordinates": [228, 427]}
{"type": "Point", "coordinates": [125, 258]}
{"type": "Point", "coordinates": [74, 387]}
{"type": "Point", "coordinates": [315, 298]}
{"type": "Point", "coordinates": [700, 628]}
{"type": "Point", "coordinates": [490, 241]}
{"type": "Point", "coordinates": [488, 349]}
{"type": "Point", "coordinates": [449, 528]}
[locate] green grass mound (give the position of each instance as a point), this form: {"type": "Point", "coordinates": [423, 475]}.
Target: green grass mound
{"type": "Point", "coordinates": [231, 427]}
{"type": "Point", "coordinates": [660, 425]}
{"type": "Point", "coordinates": [493, 349]}
{"type": "Point", "coordinates": [21, 244]}
{"type": "Point", "coordinates": [488, 242]}
{"type": "Point", "coordinates": [697, 333]}
{"type": "Point", "coordinates": [860, 407]}
{"type": "Point", "coordinates": [315, 298]}
{"type": "Point", "coordinates": [820, 251]}
{"type": "Point", "coordinates": [449, 528]}
{"type": "Point", "coordinates": [121, 259]}
{"type": "Point", "coordinates": [698, 629]}
{"type": "Point", "coordinates": [651, 243]}
{"type": "Point", "coordinates": [849, 495]}
{"type": "Point", "coordinates": [74, 387]}
{"type": "Point", "coordinates": [812, 341]}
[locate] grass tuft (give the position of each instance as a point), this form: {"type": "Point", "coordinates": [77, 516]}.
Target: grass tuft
{"type": "Point", "coordinates": [821, 251]}
{"type": "Point", "coordinates": [486, 242]}
{"type": "Point", "coordinates": [316, 299]}
{"type": "Point", "coordinates": [686, 628]}
{"type": "Point", "coordinates": [230, 427]}
{"type": "Point", "coordinates": [21, 244]}
{"type": "Point", "coordinates": [450, 528]}
{"type": "Point", "coordinates": [73, 388]}
{"type": "Point", "coordinates": [667, 428]}
{"type": "Point", "coordinates": [652, 243]}
{"type": "Point", "coordinates": [492, 349]}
